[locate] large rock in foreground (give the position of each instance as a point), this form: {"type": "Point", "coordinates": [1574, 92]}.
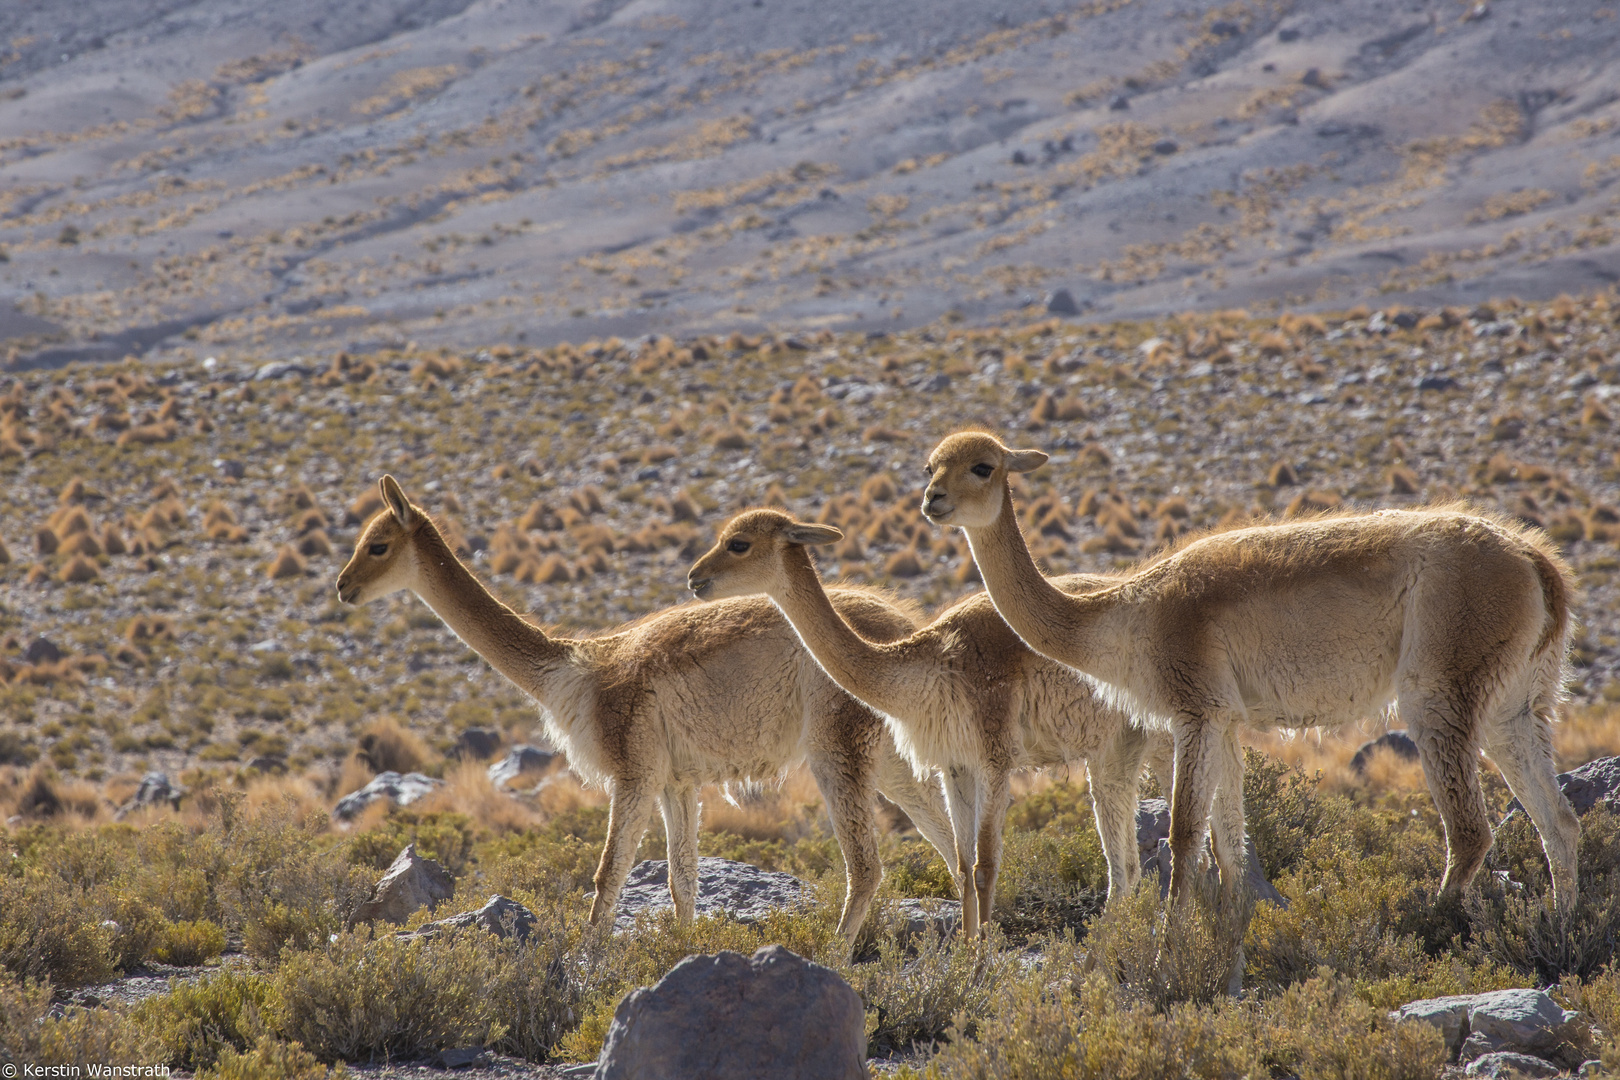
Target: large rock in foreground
{"type": "Point", "coordinates": [730, 1017]}
{"type": "Point", "coordinates": [744, 892]}
{"type": "Point", "coordinates": [1514, 1021]}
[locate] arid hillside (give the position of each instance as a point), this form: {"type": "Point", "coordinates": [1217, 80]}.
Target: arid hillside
{"type": "Point", "coordinates": [174, 530]}
{"type": "Point", "coordinates": [240, 180]}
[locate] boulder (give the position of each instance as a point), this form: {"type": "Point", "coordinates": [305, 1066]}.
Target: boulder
{"type": "Point", "coordinates": [477, 743]}
{"type": "Point", "coordinates": [155, 790]}
{"type": "Point", "coordinates": [402, 790]}
{"type": "Point", "coordinates": [1519, 1021]}
{"type": "Point", "coordinates": [410, 884]}
{"type": "Point", "coordinates": [502, 917]}
{"type": "Point", "coordinates": [731, 1017]}
{"type": "Point", "coordinates": [1153, 846]}
{"type": "Point", "coordinates": [1061, 302]}
{"type": "Point", "coordinates": [1397, 740]}
{"type": "Point", "coordinates": [1596, 782]}
{"type": "Point", "coordinates": [918, 916]}
{"type": "Point", "coordinates": [519, 760]}
{"type": "Point", "coordinates": [1505, 1063]}
{"type": "Point", "coordinates": [745, 893]}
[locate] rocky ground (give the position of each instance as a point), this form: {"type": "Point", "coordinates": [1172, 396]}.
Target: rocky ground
{"type": "Point", "coordinates": [173, 530]}
{"type": "Point", "coordinates": [222, 178]}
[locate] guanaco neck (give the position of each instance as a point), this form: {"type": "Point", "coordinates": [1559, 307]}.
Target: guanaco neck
{"type": "Point", "coordinates": [517, 649]}
{"type": "Point", "coordinates": [866, 671]}
{"type": "Point", "coordinates": [1070, 629]}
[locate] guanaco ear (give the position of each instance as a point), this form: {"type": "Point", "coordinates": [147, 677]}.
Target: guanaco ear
{"type": "Point", "coordinates": [1025, 460]}
{"type": "Point", "coordinates": [803, 532]}
{"type": "Point", "coordinates": [394, 498]}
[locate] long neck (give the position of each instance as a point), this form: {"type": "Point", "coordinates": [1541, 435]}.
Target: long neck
{"type": "Point", "coordinates": [1058, 625]}
{"type": "Point", "coordinates": [517, 649]}
{"type": "Point", "coordinates": [866, 671]}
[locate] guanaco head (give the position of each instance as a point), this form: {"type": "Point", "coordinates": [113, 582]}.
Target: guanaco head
{"type": "Point", "coordinates": [747, 559]}
{"type": "Point", "coordinates": [384, 559]}
{"type": "Point", "coordinates": [967, 476]}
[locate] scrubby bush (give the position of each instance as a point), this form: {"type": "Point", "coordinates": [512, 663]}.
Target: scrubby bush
{"type": "Point", "coordinates": [189, 944]}
{"type": "Point", "coordinates": [914, 990]}
{"type": "Point", "coordinates": [268, 1060]}
{"type": "Point", "coordinates": [196, 1022]}
{"type": "Point", "coordinates": [1163, 951]}
{"type": "Point", "coordinates": [29, 1034]}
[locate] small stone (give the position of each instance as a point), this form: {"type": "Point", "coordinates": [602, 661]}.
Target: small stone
{"type": "Point", "coordinates": [502, 917]}
{"type": "Point", "coordinates": [1166, 147]}
{"type": "Point", "coordinates": [155, 790]}
{"type": "Point", "coordinates": [1119, 104]}
{"type": "Point", "coordinates": [1225, 28]}
{"type": "Point", "coordinates": [935, 383]}
{"type": "Point", "coordinates": [401, 790]}
{"type": "Point", "coordinates": [42, 651]}
{"type": "Point", "coordinates": [1505, 1063]}
{"type": "Point", "coordinates": [731, 1017]}
{"type": "Point", "coordinates": [268, 763]}
{"type": "Point", "coordinates": [1061, 302]}
{"type": "Point", "coordinates": [461, 1058]}
{"type": "Point", "coordinates": [477, 743]}
{"type": "Point", "coordinates": [1406, 319]}
{"type": "Point", "coordinates": [1314, 78]}
{"type": "Point", "coordinates": [1398, 741]}
{"type": "Point", "coordinates": [1288, 34]}
{"type": "Point", "coordinates": [519, 760]}
{"type": "Point", "coordinates": [1437, 382]}
{"type": "Point", "coordinates": [233, 469]}
{"type": "Point", "coordinates": [410, 884]}
{"type": "Point", "coordinates": [281, 369]}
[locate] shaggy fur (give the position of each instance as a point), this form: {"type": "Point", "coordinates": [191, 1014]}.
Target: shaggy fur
{"type": "Point", "coordinates": [1458, 621]}
{"type": "Point", "coordinates": [689, 696]}
{"type": "Point", "coordinates": [963, 695]}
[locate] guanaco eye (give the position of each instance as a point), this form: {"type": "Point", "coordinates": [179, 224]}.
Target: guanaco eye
{"type": "Point", "coordinates": [378, 549]}
{"type": "Point", "coordinates": [983, 471]}
{"type": "Point", "coordinates": [737, 547]}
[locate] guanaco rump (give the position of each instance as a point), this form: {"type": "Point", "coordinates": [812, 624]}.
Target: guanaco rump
{"type": "Point", "coordinates": [687, 696]}
{"type": "Point", "coordinates": [1458, 620]}
{"type": "Point", "coordinates": [963, 695]}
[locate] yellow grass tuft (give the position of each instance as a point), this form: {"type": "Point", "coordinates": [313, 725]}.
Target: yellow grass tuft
{"type": "Point", "coordinates": [287, 563]}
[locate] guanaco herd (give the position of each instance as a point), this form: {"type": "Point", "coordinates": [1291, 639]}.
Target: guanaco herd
{"type": "Point", "coordinates": [1455, 620]}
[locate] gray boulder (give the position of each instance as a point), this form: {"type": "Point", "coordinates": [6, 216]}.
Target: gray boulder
{"type": "Point", "coordinates": [1473, 1025]}
{"type": "Point", "coordinates": [730, 1017]}
{"type": "Point", "coordinates": [519, 760]}
{"type": "Point", "coordinates": [1596, 782]}
{"type": "Point", "coordinates": [42, 651]}
{"type": "Point", "coordinates": [402, 790]}
{"type": "Point", "coordinates": [1397, 740]}
{"type": "Point", "coordinates": [410, 883]}
{"type": "Point", "coordinates": [1061, 302]}
{"type": "Point", "coordinates": [502, 917]}
{"type": "Point", "coordinates": [156, 790]}
{"type": "Point", "coordinates": [919, 916]}
{"type": "Point", "coordinates": [745, 893]}
{"type": "Point", "coordinates": [1153, 845]}
{"type": "Point", "coordinates": [1505, 1063]}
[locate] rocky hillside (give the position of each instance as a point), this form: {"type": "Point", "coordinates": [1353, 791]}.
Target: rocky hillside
{"type": "Point", "coordinates": [242, 180]}
{"type": "Point", "coordinates": [172, 531]}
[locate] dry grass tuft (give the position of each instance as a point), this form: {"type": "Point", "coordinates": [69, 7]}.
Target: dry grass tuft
{"type": "Point", "coordinates": [287, 564]}
{"type": "Point", "coordinates": [388, 746]}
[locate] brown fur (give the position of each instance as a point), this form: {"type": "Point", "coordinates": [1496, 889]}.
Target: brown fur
{"type": "Point", "coordinates": [1456, 619]}
{"type": "Point", "coordinates": [963, 695]}
{"type": "Point", "coordinates": [692, 695]}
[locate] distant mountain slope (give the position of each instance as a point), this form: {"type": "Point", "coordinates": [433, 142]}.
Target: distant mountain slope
{"type": "Point", "coordinates": [218, 177]}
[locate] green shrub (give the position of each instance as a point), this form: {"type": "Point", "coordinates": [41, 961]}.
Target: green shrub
{"type": "Point", "coordinates": [197, 1021]}
{"type": "Point", "coordinates": [1053, 876]}
{"type": "Point", "coordinates": [913, 995]}
{"type": "Point", "coordinates": [30, 1035]}
{"type": "Point", "coordinates": [50, 931]}
{"type": "Point", "coordinates": [269, 1060]}
{"type": "Point", "coordinates": [1164, 952]}
{"type": "Point", "coordinates": [360, 999]}
{"type": "Point", "coordinates": [1518, 927]}
{"type": "Point", "coordinates": [1282, 811]}
{"type": "Point", "coordinates": [189, 944]}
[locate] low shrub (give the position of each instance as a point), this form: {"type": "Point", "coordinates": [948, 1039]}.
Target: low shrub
{"type": "Point", "coordinates": [269, 1060]}
{"type": "Point", "coordinates": [198, 1021]}
{"type": "Point", "coordinates": [189, 944]}
{"type": "Point", "coordinates": [914, 990]}
{"type": "Point", "coordinates": [1164, 952]}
